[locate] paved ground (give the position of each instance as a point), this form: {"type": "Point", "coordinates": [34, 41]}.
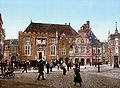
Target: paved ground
{"type": "Point", "coordinates": [107, 78]}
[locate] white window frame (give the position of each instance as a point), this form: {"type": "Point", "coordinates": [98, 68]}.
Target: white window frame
{"type": "Point", "coordinates": [53, 50]}
{"type": "Point", "coordinates": [27, 49]}
{"type": "Point", "coordinates": [94, 49]}
{"type": "Point", "coordinates": [82, 49]}
{"type": "Point", "coordinates": [63, 51]}
{"type": "Point", "coordinates": [88, 49]}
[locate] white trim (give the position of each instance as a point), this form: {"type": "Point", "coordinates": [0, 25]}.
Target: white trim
{"type": "Point", "coordinates": [27, 50]}
{"type": "Point", "coordinates": [54, 50]}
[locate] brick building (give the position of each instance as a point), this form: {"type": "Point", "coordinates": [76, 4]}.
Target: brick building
{"type": "Point", "coordinates": [86, 48]}
{"type": "Point", "coordinates": [114, 48]}
{"type": "Point", "coordinates": [45, 41]}
{"type": "Point", "coordinates": [11, 50]}
{"type": "Point", "coordinates": [2, 37]}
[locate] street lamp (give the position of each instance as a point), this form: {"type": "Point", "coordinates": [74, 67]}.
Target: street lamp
{"type": "Point", "coordinates": [98, 65]}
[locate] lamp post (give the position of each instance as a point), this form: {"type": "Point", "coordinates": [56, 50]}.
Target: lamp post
{"type": "Point", "coordinates": [98, 65]}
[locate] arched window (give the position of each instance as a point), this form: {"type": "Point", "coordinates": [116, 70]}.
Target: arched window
{"type": "Point", "coordinates": [53, 50]}
{"type": "Point", "coordinates": [76, 49]}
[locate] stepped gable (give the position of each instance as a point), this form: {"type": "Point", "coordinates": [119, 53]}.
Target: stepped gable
{"type": "Point", "coordinates": [50, 28]}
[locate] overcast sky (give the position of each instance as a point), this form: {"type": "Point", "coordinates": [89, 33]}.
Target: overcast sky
{"type": "Point", "coordinates": [102, 14]}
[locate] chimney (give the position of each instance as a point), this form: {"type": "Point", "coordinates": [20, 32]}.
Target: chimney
{"type": "Point", "coordinates": [69, 23]}
{"type": "Point", "coordinates": [88, 24]}
{"type": "Point", "coordinates": [65, 23]}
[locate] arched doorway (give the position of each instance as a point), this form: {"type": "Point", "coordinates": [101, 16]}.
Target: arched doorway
{"type": "Point", "coordinates": [82, 61]}
{"type": "Point", "coordinates": [88, 61]}
{"type": "Point", "coordinates": [76, 60]}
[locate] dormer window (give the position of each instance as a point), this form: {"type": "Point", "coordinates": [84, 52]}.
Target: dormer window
{"type": "Point", "coordinates": [27, 39]}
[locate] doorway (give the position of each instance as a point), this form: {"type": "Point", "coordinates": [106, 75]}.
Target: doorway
{"type": "Point", "coordinates": [40, 55]}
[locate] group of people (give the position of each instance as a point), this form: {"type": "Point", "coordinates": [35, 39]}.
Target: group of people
{"type": "Point", "coordinates": [6, 70]}
{"type": "Point", "coordinates": [49, 66]}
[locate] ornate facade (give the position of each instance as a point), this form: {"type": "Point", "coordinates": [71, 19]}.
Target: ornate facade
{"type": "Point", "coordinates": [114, 48]}
{"type": "Point", "coordinates": [45, 41]}
{"type": "Point", "coordinates": [86, 48]}
{"type": "Point", "coordinates": [11, 51]}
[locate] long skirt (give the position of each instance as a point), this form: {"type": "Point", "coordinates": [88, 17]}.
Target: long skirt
{"type": "Point", "coordinates": [77, 79]}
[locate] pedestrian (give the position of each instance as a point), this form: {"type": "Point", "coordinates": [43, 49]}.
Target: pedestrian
{"type": "Point", "coordinates": [51, 65]}
{"type": "Point", "coordinates": [64, 71]}
{"type": "Point", "coordinates": [58, 65]}
{"type": "Point", "coordinates": [68, 66]}
{"type": "Point", "coordinates": [2, 68]}
{"type": "Point", "coordinates": [47, 66]}
{"type": "Point", "coordinates": [41, 69]}
{"type": "Point", "coordinates": [77, 77]}
{"type": "Point", "coordinates": [25, 67]}
{"type": "Point", "coordinates": [64, 68]}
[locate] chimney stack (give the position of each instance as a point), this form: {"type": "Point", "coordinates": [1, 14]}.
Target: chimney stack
{"type": "Point", "coordinates": [88, 24]}
{"type": "Point", "coordinates": [69, 23]}
{"type": "Point", "coordinates": [65, 23]}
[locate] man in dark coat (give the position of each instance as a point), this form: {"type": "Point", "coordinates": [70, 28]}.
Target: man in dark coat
{"type": "Point", "coordinates": [77, 77]}
{"type": "Point", "coordinates": [25, 67]}
{"type": "Point", "coordinates": [47, 66]}
{"type": "Point", "coordinates": [41, 69]}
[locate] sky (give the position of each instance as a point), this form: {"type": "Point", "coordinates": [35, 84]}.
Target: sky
{"type": "Point", "coordinates": [102, 14]}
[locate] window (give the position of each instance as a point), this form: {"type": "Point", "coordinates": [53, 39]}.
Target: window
{"type": "Point", "coordinates": [41, 41]}
{"type": "Point", "coordinates": [82, 49]}
{"type": "Point", "coordinates": [99, 50]}
{"type": "Point", "coordinates": [53, 40]}
{"type": "Point", "coordinates": [13, 49]}
{"type": "Point", "coordinates": [76, 49]}
{"type": "Point", "coordinates": [27, 39]}
{"type": "Point", "coordinates": [27, 50]}
{"type": "Point", "coordinates": [94, 50]}
{"type": "Point", "coordinates": [53, 50]}
{"type": "Point", "coordinates": [88, 49]}
{"type": "Point", "coordinates": [6, 47]}
{"type": "Point", "coordinates": [63, 51]}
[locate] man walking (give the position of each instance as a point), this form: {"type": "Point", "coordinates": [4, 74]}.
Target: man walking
{"type": "Point", "coordinates": [47, 66]}
{"type": "Point", "coordinates": [25, 67]}
{"type": "Point", "coordinates": [41, 69]}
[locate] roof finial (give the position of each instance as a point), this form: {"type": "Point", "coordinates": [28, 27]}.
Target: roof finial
{"type": "Point", "coordinates": [31, 20]}
{"type": "Point", "coordinates": [116, 31]}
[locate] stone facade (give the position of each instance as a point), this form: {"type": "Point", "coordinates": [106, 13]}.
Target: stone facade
{"type": "Point", "coordinates": [45, 41]}
{"type": "Point", "coordinates": [11, 50]}
{"type": "Point", "coordinates": [85, 47]}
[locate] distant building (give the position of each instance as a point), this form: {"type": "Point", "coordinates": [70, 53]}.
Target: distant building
{"type": "Point", "coordinates": [86, 48]}
{"type": "Point", "coordinates": [11, 50]}
{"type": "Point", "coordinates": [48, 42]}
{"type": "Point", "coordinates": [114, 48]}
{"type": "Point", "coordinates": [2, 37]}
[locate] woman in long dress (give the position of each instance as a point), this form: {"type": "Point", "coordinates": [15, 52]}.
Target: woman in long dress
{"type": "Point", "coordinates": [77, 77]}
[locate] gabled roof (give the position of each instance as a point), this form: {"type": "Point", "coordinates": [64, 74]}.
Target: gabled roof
{"type": "Point", "coordinates": [50, 28]}
{"type": "Point", "coordinates": [14, 42]}
{"type": "Point", "coordinates": [92, 38]}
